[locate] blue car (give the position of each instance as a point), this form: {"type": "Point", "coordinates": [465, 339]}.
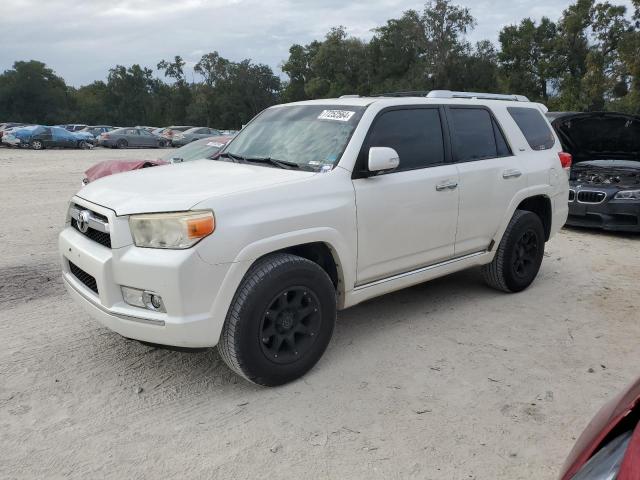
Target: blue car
{"type": "Point", "coordinates": [39, 137]}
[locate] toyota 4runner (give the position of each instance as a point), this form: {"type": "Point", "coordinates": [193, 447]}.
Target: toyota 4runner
{"type": "Point", "coordinates": [314, 207]}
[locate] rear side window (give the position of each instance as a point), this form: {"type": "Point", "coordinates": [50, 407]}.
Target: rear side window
{"type": "Point", "coordinates": [416, 134]}
{"type": "Point", "coordinates": [476, 135]}
{"type": "Point", "coordinates": [533, 126]}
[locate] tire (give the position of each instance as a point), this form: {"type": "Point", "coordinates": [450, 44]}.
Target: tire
{"type": "Point", "coordinates": [83, 145]}
{"type": "Point", "coordinates": [37, 144]}
{"type": "Point", "coordinates": [282, 297]}
{"type": "Point", "coordinates": [122, 143]}
{"type": "Point", "coordinates": [519, 255]}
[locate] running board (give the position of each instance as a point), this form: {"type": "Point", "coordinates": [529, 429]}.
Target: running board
{"type": "Point", "coordinates": [413, 277]}
{"type": "Point", "coordinates": [418, 271]}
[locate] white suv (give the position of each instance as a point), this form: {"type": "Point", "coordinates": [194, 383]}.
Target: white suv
{"type": "Point", "coordinates": [314, 207]}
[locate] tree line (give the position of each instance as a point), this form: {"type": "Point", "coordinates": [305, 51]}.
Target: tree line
{"type": "Point", "coordinates": [588, 59]}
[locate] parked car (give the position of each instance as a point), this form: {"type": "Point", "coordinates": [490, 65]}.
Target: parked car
{"type": "Point", "coordinates": [130, 137]}
{"type": "Point", "coordinates": [195, 133]}
{"type": "Point", "coordinates": [313, 207]}
{"type": "Point", "coordinates": [200, 149]}
{"type": "Point", "coordinates": [169, 132]}
{"type": "Point", "coordinates": [609, 448]}
{"type": "Point", "coordinates": [96, 130]}
{"type": "Point", "coordinates": [605, 175]}
{"type": "Point", "coordinates": [39, 137]}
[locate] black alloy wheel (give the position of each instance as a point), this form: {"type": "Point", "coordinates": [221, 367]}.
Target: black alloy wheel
{"type": "Point", "coordinates": [525, 254]}
{"type": "Point", "coordinates": [289, 325]}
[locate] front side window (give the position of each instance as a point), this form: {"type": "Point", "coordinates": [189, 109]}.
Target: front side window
{"type": "Point", "coordinates": [533, 126]}
{"type": "Point", "coordinates": [311, 136]}
{"type": "Point", "coordinates": [415, 134]}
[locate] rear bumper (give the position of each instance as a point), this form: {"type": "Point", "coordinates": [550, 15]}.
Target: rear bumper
{"type": "Point", "coordinates": [188, 286]}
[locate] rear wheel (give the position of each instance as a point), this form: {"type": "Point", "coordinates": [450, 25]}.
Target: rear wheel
{"type": "Point", "coordinates": [37, 144]}
{"type": "Point", "coordinates": [122, 143]}
{"type": "Point", "coordinates": [280, 321]}
{"type": "Point", "coordinates": [519, 254]}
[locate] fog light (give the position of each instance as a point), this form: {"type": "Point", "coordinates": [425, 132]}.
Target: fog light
{"type": "Point", "coordinates": [143, 299]}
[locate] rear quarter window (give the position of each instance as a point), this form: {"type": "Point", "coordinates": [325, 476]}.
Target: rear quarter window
{"type": "Point", "coordinates": [533, 126]}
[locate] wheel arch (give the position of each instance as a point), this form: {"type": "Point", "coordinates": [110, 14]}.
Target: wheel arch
{"type": "Point", "coordinates": [324, 246]}
{"type": "Point", "coordinates": [541, 206]}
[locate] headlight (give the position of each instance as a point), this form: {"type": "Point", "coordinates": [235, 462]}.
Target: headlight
{"type": "Point", "coordinates": [171, 230]}
{"type": "Point", "coordinates": [628, 195]}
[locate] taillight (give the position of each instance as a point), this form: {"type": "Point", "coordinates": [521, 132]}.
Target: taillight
{"type": "Point", "coordinates": [565, 159]}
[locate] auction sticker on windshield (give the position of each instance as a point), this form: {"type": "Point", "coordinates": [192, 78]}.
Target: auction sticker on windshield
{"type": "Point", "coordinates": [339, 115]}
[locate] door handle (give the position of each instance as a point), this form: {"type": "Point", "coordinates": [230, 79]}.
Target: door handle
{"type": "Point", "coordinates": [512, 173]}
{"type": "Point", "coordinates": [446, 186]}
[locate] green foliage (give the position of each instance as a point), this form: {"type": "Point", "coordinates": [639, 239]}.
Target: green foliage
{"type": "Point", "coordinates": [588, 60]}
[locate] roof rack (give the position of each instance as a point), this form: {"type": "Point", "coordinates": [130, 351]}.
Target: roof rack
{"type": "Point", "coordinates": [452, 94]}
{"type": "Point", "coordinates": [477, 95]}
{"type": "Point", "coordinates": [415, 93]}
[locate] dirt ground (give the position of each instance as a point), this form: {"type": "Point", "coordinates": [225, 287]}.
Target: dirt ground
{"type": "Point", "coordinates": [446, 380]}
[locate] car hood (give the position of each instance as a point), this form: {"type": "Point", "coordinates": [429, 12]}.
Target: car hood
{"type": "Point", "coordinates": [182, 186]}
{"type": "Point", "coordinates": [599, 135]}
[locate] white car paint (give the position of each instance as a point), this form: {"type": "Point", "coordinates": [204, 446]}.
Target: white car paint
{"type": "Point", "coordinates": [385, 232]}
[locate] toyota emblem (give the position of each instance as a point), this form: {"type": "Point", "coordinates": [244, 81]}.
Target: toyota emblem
{"type": "Point", "coordinates": [83, 221]}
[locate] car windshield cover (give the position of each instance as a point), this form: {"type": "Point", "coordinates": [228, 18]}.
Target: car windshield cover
{"type": "Point", "coordinates": [311, 136]}
{"type": "Point", "coordinates": [204, 148]}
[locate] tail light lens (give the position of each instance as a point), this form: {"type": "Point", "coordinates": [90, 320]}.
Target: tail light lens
{"type": "Point", "coordinates": [565, 159]}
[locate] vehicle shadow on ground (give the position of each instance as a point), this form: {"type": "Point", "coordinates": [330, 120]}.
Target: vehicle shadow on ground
{"type": "Point", "coordinates": [159, 367]}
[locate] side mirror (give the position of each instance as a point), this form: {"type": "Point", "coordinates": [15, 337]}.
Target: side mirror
{"type": "Point", "coordinates": [382, 158]}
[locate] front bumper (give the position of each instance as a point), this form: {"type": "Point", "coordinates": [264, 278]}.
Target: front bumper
{"type": "Point", "coordinates": [610, 214]}
{"type": "Point", "coordinates": [187, 284]}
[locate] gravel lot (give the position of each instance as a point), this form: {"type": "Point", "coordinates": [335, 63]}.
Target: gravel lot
{"type": "Point", "coordinates": [446, 380]}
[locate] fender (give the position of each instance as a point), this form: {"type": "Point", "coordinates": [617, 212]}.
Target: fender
{"type": "Point", "coordinates": [249, 254]}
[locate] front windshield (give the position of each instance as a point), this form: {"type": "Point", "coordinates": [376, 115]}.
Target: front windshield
{"type": "Point", "coordinates": [204, 148]}
{"type": "Point", "coordinates": [311, 136]}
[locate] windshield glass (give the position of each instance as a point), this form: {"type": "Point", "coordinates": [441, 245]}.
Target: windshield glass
{"type": "Point", "coordinates": [311, 136]}
{"type": "Point", "coordinates": [204, 148]}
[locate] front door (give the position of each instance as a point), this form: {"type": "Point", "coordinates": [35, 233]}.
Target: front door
{"type": "Point", "coordinates": [406, 217]}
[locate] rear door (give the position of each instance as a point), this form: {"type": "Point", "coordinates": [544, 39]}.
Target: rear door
{"type": "Point", "coordinates": [406, 217]}
{"type": "Point", "coordinates": [490, 175]}
{"type": "Point", "coordinates": [133, 137]}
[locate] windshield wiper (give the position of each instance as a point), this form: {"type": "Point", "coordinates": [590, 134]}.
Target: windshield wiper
{"type": "Point", "coordinates": [272, 161]}
{"type": "Point", "coordinates": [232, 156]}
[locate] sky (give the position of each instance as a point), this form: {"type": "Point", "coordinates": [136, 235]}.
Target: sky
{"type": "Point", "coordinates": [82, 39]}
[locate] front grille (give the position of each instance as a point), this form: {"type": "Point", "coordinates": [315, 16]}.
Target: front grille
{"type": "Point", "coordinates": [572, 195]}
{"type": "Point", "coordinates": [100, 237]}
{"type": "Point", "coordinates": [84, 277]}
{"type": "Point", "coordinates": [588, 196]}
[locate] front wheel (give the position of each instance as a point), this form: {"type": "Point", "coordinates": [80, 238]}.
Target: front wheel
{"type": "Point", "coordinates": [519, 254]}
{"type": "Point", "coordinates": [37, 144]}
{"type": "Point", "coordinates": [280, 320]}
